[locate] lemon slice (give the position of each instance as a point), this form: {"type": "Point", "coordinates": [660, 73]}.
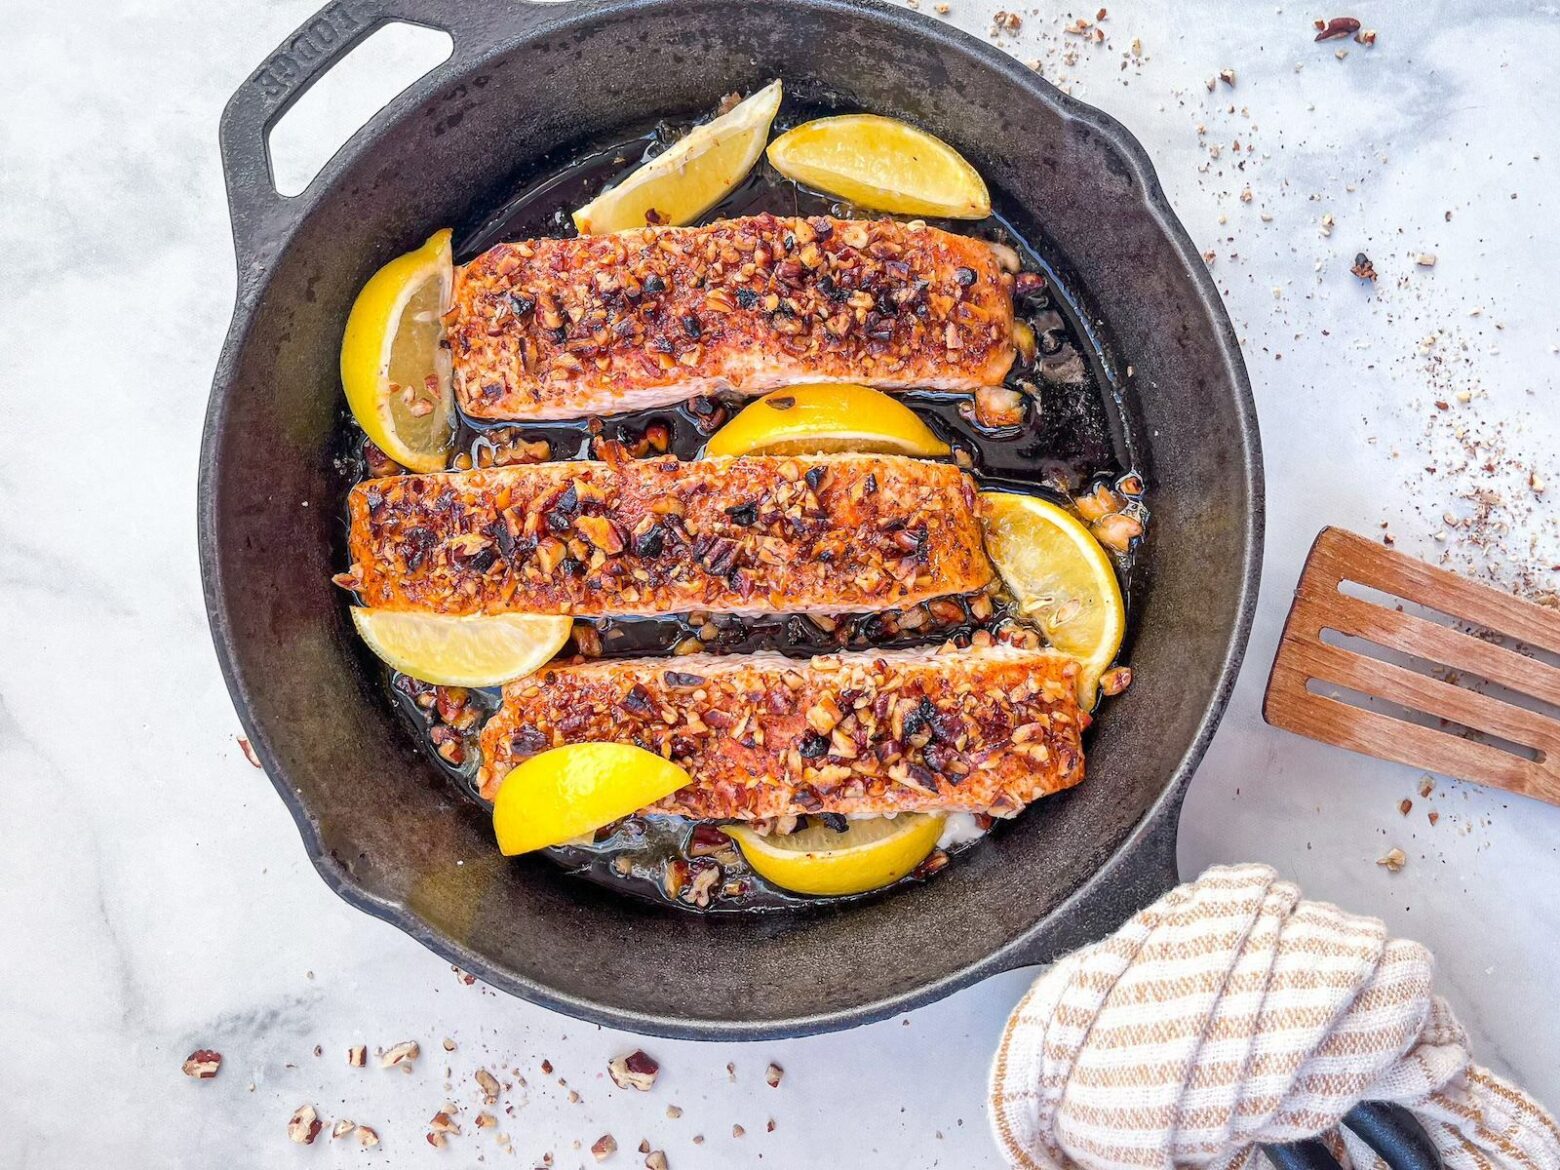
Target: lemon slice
{"type": "Point", "coordinates": [692, 176]}
{"type": "Point", "coordinates": [867, 855]}
{"type": "Point", "coordinates": [884, 164]}
{"type": "Point", "coordinates": [1061, 578]}
{"type": "Point", "coordinates": [825, 418]}
{"type": "Point", "coordinates": [563, 794]}
{"type": "Point", "coordinates": [481, 650]}
{"type": "Point", "coordinates": [394, 368]}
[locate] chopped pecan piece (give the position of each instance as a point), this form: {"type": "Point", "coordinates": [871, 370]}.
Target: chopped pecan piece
{"type": "Point", "coordinates": [637, 1070]}
{"type": "Point", "coordinates": [400, 1055]}
{"type": "Point", "coordinates": [304, 1125]}
{"type": "Point", "coordinates": [202, 1064]}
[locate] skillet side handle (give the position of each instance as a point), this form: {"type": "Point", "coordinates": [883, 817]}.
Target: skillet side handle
{"type": "Point", "coordinates": [258, 211]}
{"type": "Point", "coordinates": [1143, 871]}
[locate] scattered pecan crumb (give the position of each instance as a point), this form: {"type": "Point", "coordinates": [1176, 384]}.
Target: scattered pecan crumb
{"type": "Point", "coordinates": [731, 1072]}
{"type": "Point", "coordinates": [674, 1111]}
{"type": "Point", "coordinates": [444, 1120]}
{"type": "Point", "coordinates": [769, 1126]}
{"type": "Point", "coordinates": [449, 1045]}
{"type": "Point", "coordinates": [202, 1064]}
{"type": "Point", "coordinates": [357, 1056]}
{"type": "Point", "coordinates": [490, 1086]}
{"type": "Point", "coordinates": [486, 1120]}
{"type": "Point", "coordinates": [1008, 21]}
{"type": "Point", "coordinates": [1434, 817]}
{"type": "Point", "coordinates": [656, 1160]}
{"type": "Point", "coordinates": [249, 751]}
{"type": "Point", "coordinates": [1425, 260]}
{"type": "Point", "coordinates": [1405, 806]}
{"type": "Point", "coordinates": [1338, 26]}
{"type": "Point", "coordinates": [304, 1125]}
{"type": "Point", "coordinates": [1367, 37]}
{"type": "Point", "coordinates": [402, 1054]}
{"type": "Point", "coordinates": [367, 1136]}
{"type": "Point", "coordinates": [342, 1128]}
{"type": "Point", "coordinates": [1426, 786]}
{"type": "Point", "coordinates": [1227, 76]}
{"type": "Point", "coordinates": [1393, 860]}
{"type": "Point", "coordinates": [644, 1145]}
{"type": "Point", "coordinates": [737, 1131]}
{"type": "Point", "coordinates": [436, 1140]}
{"type": "Point", "coordinates": [603, 1147]}
{"type": "Point", "coordinates": [772, 1074]}
{"type": "Point", "coordinates": [637, 1070]}
{"type": "Point", "coordinates": [1363, 268]}
{"type": "Point", "coordinates": [546, 1067]}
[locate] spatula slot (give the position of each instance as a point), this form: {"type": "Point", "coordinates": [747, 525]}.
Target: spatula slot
{"type": "Point", "coordinates": [1431, 667]}
{"type": "Point", "coordinates": [1391, 601]}
{"type": "Point", "coordinates": [1379, 706]}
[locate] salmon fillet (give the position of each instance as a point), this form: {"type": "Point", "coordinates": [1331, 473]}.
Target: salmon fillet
{"type": "Point", "coordinates": [546, 329]}
{"type": "Point", "coordinates": [753, 534]}
{"type": "Point", "coordinates": [986, 729]}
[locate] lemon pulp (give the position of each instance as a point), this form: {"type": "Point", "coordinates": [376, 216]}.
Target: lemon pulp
{"type": "Point", "coordinates": [395, 368]}
{"type": "Point", "coordinates": [869, 854]}
{"type": "Point", "coordinates": [883, 164]}
{"type": "Point", "coordinates": [570, 791]}
{"type": "Point", "coordinates": [1062, 579]}
{"type": "Point", "coordinates": [692, 176]}
{"type": "Point", "coordinates": [481, 650]}
{"type": "Point", "coordinates": [824, 418]}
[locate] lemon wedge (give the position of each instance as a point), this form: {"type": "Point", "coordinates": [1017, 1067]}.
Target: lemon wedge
{"type": "Point", "coordinates": [883, 164]}
{"type": "Point", "coordinates": [1062, 579]}
{"type": "Point", "coordinates": [481, 650]}
{"type": "Point", "coordinates": [869, 854]}
{"type": "Point", "coordinates": [691, 176]}
{"type": "Point", "coordinates": [563, 794]}
{"type": "Point", "coordinates": [825, 418]}
{"type": "Point", "coordinates": [394, 368]}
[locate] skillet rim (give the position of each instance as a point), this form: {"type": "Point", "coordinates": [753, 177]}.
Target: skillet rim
{"type": "Point", "coordinates": [1150, 842]}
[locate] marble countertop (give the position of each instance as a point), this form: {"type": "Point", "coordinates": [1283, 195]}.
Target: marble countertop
{"type": "Point", "coordinates": [154, 891]}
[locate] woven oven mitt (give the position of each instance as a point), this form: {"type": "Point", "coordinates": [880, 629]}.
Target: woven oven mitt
{"type": "Point", "coordinates": [1232, 1014]}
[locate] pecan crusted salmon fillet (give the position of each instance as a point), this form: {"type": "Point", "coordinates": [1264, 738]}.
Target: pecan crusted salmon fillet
{"type": "Point", "coordinates": [985, 729]}
{"type": "Point", "coordinates": [545, 329]}
{"type": "Point", "coordinates": [751, 534]}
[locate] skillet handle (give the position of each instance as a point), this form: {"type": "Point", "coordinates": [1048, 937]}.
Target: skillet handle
{"type": "Point", "coordinates": [258, 211]}
{"type": "Point", "coordinates": [1143, 870]}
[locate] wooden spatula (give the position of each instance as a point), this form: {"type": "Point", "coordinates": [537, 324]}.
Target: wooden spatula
{"type": "Point", "coordinates": [1307, 669]}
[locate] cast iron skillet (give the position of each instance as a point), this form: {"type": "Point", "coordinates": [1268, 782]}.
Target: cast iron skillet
{"type": "Point", "coordinates": [389, 835]}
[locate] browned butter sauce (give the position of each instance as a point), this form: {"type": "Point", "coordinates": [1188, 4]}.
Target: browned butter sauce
{"type": "Point", "coordinates": [1074, 434]}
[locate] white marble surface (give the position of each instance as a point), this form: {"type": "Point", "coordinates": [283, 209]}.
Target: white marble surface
{"type": "Point", "coordinates": [153, 891]}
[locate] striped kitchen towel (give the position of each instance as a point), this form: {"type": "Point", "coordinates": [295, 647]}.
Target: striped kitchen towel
{"type": "Point", "coordinates": [1232, 1012]}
